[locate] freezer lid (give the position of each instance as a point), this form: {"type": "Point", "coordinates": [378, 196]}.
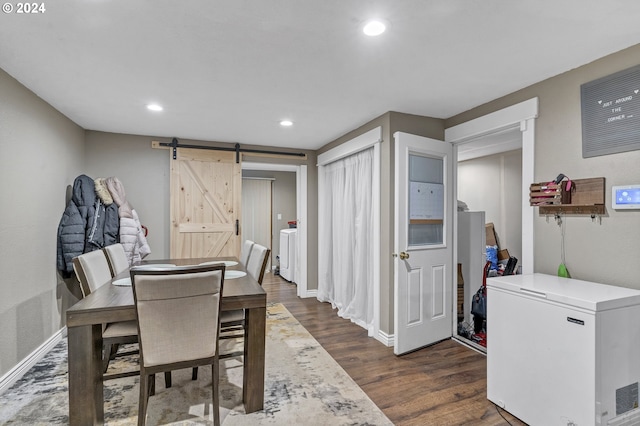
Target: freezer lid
{"type": "Point", "coordinates": [569, 291]}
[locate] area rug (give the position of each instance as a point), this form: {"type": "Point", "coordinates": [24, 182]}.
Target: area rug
{"type": "Point", "coordinates": [303, 386]}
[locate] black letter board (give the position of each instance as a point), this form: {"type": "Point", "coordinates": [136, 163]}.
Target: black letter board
{"type": "Point", "coordinates": [611, 113]}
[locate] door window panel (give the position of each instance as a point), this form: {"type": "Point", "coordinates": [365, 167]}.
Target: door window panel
{"type": "Point", "coordinates": [426, 201]}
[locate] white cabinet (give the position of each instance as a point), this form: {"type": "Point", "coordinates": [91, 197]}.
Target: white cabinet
{"type": "Point", "coordinates": [288, 254]}
{"type": "Point", "coordinates": [563, 351]}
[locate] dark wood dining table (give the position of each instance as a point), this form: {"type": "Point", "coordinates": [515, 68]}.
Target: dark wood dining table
{"type": "Point", "coordinates": [112, 303]}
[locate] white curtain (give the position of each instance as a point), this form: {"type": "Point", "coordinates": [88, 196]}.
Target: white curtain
{"type": "Point", "coordinates": [256, 212]}
{"type": "Point", "coordinates": [346, 249]}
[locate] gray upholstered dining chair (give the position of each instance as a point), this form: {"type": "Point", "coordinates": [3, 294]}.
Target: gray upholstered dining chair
{"type": "Point", "coordinates": [117, 258]}
{"type": "Point", "coordinates": [188, 336]}
{"type": "Point", "coordinates": [92, 270]}
{"type": "Point", "coordinates": [246, 252]}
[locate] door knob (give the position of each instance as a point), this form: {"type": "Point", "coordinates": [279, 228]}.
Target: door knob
{"type": "Point", "coordinates": [404, 255]}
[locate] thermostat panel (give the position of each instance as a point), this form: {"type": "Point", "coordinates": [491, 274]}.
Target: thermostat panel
{"type": "Point", "coordinates": [625, 197]}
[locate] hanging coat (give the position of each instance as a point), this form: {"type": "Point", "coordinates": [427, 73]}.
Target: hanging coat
{"type": "Point", "coordinates": [104, 228]}
{"type": "Point", "coordinates": [131, 234]}
{"type": "Point", "coordinates": [86, 225]}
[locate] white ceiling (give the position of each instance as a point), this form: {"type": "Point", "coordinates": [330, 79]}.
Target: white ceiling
{"type": "Point", "coordinates": [231, 70]}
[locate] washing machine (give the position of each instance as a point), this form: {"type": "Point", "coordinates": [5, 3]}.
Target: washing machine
{"type": "Point", "coordinates": [288, 254]}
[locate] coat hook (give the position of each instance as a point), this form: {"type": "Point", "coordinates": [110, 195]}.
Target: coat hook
{"type": "Point", "coordinates": [558, 219]}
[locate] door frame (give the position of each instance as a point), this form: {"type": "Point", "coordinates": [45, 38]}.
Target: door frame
{"type": "Point", "coordinates": [520, 116]}
{"type": "Point", "coordinates": [301, 215]}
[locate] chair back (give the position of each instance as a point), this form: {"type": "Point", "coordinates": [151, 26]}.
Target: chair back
{"type": "Point", "coordinates": [92, 270]}
{"type": "Point", "coordinates": [178, 313]}
{"type": "Point", "coordinates": [258, 262]}
{"type": "Point", "coordinates": [246, 252]}
{"type": "Point", "coordinates": [117, 258]}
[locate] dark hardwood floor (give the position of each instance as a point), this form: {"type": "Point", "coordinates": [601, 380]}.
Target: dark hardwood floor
{"type": "Point", "coordinates": [444, 384]}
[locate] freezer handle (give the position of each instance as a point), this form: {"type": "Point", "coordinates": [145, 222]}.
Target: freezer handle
{"type": "Point", "coordinates": [533, 293]}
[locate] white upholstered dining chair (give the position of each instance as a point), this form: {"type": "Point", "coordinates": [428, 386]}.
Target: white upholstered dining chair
{"type": "Point", "coordinates": [92, 270]}
{"type": "Point", "coordinates": [246, 252]}
{"type": "Point", "coordinates": [258, 262]}
{"type": "Point", "coordinates": [232, 322]}
{"type": "Point", "coordinates": [117, 258]}
{"type": "Point", "coordinates": [178, 312]}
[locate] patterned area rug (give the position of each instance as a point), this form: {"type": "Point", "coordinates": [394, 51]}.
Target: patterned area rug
{"type": "Point", "coordinates": [303, 386]}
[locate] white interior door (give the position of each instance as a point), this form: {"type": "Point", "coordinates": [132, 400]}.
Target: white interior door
{"type": "Point", "coordinates": [423, 265]}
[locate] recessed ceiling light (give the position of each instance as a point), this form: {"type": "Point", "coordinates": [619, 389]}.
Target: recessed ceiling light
{"type": "Point", "coordinates": [286, 123]}
{"type": "Point", "coordinates": [374, 28]}
{"type": "Point", "coordinates": [154, 107]}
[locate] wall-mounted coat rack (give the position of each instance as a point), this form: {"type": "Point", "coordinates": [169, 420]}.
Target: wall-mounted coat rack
{"type": "Point", "coordinates": [585, 197]}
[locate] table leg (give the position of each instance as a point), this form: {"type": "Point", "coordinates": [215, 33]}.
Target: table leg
{"type": "Point", "coordinates": [86, 405]}
{"type": "Point", "coordinates": [254, 358]}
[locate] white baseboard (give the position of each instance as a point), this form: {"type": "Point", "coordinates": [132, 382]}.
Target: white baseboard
{"type": "Point", "coordinates": [472, 345]}
{"type": "Point", "coordinates": [23, 366]}
{"type": "Point", "coordinates": [384, 338]}
{"type": "Point", "coordinates": [309, 293]}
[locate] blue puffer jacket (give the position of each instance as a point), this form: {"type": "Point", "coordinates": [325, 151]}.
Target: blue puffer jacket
{"type": "Point", "coordinates": [86, 224]}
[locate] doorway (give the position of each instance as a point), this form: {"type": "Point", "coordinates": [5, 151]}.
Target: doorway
{"type": "Point", "coordinates": [489, 216]}
{"type": "Point", "coordinates": [298, 193]}
{"type": "Point", "coordinates": [485, 136]}
{"type": "Point", "coordinates": [368, 140]}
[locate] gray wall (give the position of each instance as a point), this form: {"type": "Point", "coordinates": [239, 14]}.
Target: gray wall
{"type": "Point", "coordinates": [143, 171]}
{"type": "Point", "coordinates": [41, 153]}
{"type": "Point", "coordinates": [606, 252]}
{"type": "Point", "coordinates": [283, 201]}
{"type": "Point", "coordinates": [492, 184]}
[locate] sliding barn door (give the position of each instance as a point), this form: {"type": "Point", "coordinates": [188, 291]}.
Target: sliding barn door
{"type": "Point", "coordinates": [205, 204]}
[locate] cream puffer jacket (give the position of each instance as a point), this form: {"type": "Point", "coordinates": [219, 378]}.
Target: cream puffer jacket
{"type": "Point", "coordinates": [131, 234]}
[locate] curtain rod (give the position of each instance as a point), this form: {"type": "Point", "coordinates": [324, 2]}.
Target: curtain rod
{"type": "Point", "coordinates": [257, 178]}
{"type": "Point", "coordinates": [175, 145]}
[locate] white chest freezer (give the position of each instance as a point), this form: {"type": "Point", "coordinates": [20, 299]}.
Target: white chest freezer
{"type": "Point", "coordinates": [563, 351]}
{"type": "Point", "coordinates": [288, 254]}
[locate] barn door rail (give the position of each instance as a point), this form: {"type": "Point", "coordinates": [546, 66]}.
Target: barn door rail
{"type": "Point", "coordinates": [174, 145]}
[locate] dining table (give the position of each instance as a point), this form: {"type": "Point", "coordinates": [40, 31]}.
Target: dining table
{"type": "Point", "coordinates": [112, 303]}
